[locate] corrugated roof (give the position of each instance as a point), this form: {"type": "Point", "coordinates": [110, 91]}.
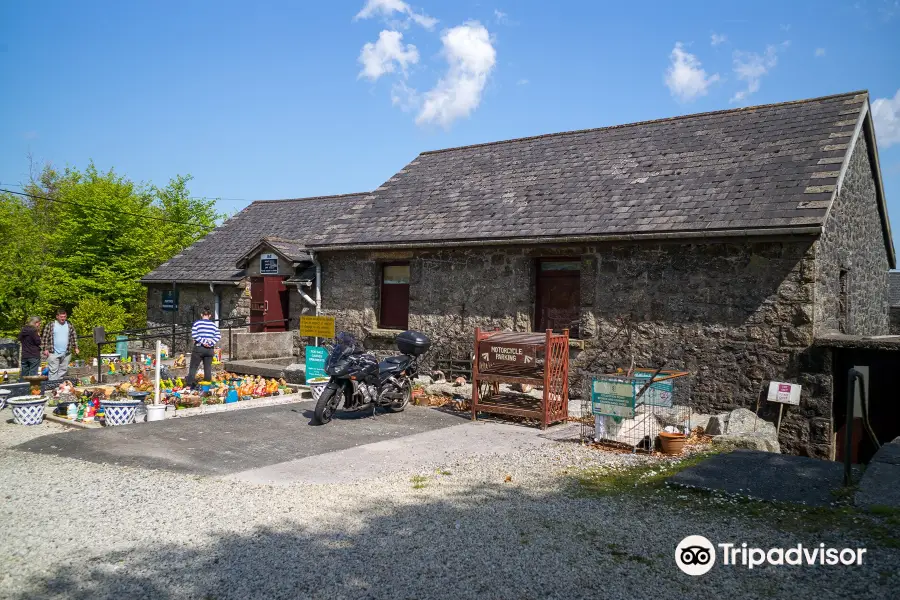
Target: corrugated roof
{"type": "Point", "coordinates": [213, 258]}
{"type": "Point", "coordinates": [770, 167]}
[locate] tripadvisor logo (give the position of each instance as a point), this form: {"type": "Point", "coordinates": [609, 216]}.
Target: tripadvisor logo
{"type": "Point", "coordinates": [696, 555]}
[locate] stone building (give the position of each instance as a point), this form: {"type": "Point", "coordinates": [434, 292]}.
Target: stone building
{"type": "Point", "coordinates": [252, 269]}
{"type": "Point", "coordinates": [721, 243]}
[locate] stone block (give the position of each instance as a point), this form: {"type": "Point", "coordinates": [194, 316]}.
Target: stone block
{"type": "Point", "coordinates": [746, 441]}
{"type": "Point", "coordinates": [742, 421]}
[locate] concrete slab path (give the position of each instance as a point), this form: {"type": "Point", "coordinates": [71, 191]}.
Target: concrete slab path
{"type": "Point", "coordinates": [240, 441]}
{"type": "Point", "coordinates": [766, 476]}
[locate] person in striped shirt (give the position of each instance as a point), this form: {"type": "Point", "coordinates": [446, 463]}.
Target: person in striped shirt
{"type": "Point", "coordinates": [205, 335]}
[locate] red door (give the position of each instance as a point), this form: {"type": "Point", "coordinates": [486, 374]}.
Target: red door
{"type": "Point", "coordinates": [257, 304]}
{"type": "Point", "coordinates": [395, 296]}
{"type": "Point", "coordinates": [558, 296]}
{"type": "Point", "coordinates": [275, 303]}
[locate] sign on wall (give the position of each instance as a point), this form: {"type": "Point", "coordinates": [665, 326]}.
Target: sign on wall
{"type": "Point", "coordinates": [322, 327]}
{"type": "Point", "coordinates": [268, 264]}
{"type": "Point", "coordinates": [170, 300]}
{"type": "Point", "coordinates": [505, 355]}
{"type": "Point", "coordinates": [315, 362]}
{"type": "Point", "coordinates": [785, 393]}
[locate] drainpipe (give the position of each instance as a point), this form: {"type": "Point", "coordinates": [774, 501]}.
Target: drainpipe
{"type": "Point", "coordinates": [218, 300]}
{"type": "Point", "coordinates": [318, 286]}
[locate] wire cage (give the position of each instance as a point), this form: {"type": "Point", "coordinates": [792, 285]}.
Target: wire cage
{"type": "Point", "coordinates": [631, 410]}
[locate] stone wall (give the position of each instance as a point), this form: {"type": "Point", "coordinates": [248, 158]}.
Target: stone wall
{"type": "Point", "coordinates": [852, 240]}
{"type": "Point", "coordinates": [235, 303]}
{"type": "Point", "coordinates": [894, 326]}
{"type": "Point", "coordinates": [735, 315]}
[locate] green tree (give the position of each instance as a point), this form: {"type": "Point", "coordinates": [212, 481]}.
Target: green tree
{"type": "Point", "coordinates": [92, 312]}
{"type": "Point", "coordinates": [91, 234]}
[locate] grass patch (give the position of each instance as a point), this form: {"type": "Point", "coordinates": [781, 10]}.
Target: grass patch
{"type": "Point", "coordinates": [418, 481]}
{"type": "Point", "coordinates": [443, 472]}
{"type": "Point", "coordinates": [606, 481]}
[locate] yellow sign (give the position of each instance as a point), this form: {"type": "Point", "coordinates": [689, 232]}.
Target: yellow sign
{"type": "Point", "coordinates": [322, 327]}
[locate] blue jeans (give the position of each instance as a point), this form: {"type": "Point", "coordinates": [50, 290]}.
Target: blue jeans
{"type": "Point", "coordinates": [29, 366]}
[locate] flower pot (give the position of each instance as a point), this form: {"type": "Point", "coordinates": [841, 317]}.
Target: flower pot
{"type": "Point", "coordinates": [3, 395]}
{"type": "Point", "coordinates": [119, 412]}
{"type": "Point", "coordinates": [156, 412]}
{"type": "Point", "coordinates": [672, 443]}
{"type": "Point", "coordinates": [28, 410]}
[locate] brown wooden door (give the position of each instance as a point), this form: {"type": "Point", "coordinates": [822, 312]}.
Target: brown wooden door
{"type": "Point", "coordinates": [275, 303]}
{"type": "Point", "coordinates": [257, 304]}
{"type": "Point", "coordinates": [558, 295]}
{"type": "Point", "coordinates": [395, 296]}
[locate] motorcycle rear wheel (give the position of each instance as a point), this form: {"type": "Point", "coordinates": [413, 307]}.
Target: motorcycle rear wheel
{"type": "Point", "coordinates": [399, 405]}
{"type": "Point", "coordinates": [327, 405]}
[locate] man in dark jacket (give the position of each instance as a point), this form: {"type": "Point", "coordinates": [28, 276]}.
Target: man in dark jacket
{"type": "Point", "coordinates": [30, 341]}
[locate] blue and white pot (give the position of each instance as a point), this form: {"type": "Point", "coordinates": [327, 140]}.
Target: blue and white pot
{"type": "Point", "coordinates": [3, 395]}
{"type": "Point", "coordinates": [119, 412]}
{"type": "Point", "coordinates": [28, 410]}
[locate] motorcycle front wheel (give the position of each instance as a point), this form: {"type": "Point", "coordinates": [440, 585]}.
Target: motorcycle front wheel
{"type": "Point", "coordinates": [399, 405]}
{"type": "Point", "coordinates": [327, 404]}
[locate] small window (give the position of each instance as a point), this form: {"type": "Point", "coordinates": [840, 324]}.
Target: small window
{"type": "Point", "coordinates": [843, 301]}
{"type": "Point", "coordinates": [395, 296]}
{"type": "Point", "coordinates": [558, 295]}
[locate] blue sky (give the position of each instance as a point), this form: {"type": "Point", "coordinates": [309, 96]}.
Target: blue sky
{"type": "Point", "coordinates": [291, 99]}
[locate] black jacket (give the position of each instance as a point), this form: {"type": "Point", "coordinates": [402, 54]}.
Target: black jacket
{"type": "Point", "coordinates": [30, 341]}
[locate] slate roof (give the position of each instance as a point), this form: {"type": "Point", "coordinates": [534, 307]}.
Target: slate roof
{"type": "Point", "coordinates": [213, 258]}
{"type": "Point", "coordinates": [292, 250]}
{"type": "Point", "coordinates": [770, 167]}
{"type": "Point", "coordinates": [894, 288]}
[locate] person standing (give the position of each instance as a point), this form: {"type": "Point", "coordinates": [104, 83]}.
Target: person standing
{"type": "Point", "coordinates": [206, 335]}
{"type": "Point", "coordinates": [58, 341]}
{"type": "Point", "coordinates": [30, 342]}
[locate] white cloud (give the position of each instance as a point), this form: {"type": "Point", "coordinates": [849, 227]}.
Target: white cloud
{"type": "Point", "coordinates": [751, 67]}
{"type": "Point", "coordinates": [471, 58]}
{"type": "Point", "coordinates": [387, 8]}
{"type": "Point", "coordinates": [405, 97]}
{"type": "Point", "coordinates": [380, 58]}
{"type": "Point", "coordinates": [820, 52]}
{"type": "Point", "coordinates": [522, 82]}
{"type": "Point", "coordinates": [685, 77]}
{"type": "Point", "coordinates": [501, 17]}
{"type": "Point", "coordinates": [716, 39]}
{"type": "Point", "coordinates": [886, 114]}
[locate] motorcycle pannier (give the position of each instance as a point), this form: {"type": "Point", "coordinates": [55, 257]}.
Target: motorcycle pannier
{"type": "Point", "coordinates": [413, 343]}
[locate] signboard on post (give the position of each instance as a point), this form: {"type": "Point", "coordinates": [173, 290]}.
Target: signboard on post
{"type": "Point", "coordinates": [612, 397]}
{"type": "Point", "coordinates": [658, 393]}
{"type": "Point", "coordinates": [495, 355]}
{"type": "Point", "coordinates": [315, 362]}
{"type": "Point", "coordinates": [322, 327]}
{"type": "Point", "coordinates": [268, 264]}
{"type": "Point", "coordinates": [784, 393]}
{"type": "Point", "coordinates": [170, 300]}
{"type": "Point", "coordinates": [122, 347]}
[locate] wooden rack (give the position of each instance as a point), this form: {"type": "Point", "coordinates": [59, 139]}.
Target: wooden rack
{"type": "Point", "coordinates": [538, 359]}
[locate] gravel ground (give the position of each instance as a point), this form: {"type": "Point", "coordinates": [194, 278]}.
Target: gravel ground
{"type": "Point", "coordinates": [498, 527]}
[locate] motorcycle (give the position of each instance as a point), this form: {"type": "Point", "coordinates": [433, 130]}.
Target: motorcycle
{"type": "Point", "coordinates": [359, 382]}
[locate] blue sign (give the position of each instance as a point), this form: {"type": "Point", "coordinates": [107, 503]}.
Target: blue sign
{"type": "Point", "coordinates": [315, 362]}
{"type": "Point", "coordinates": [122, 347]}
{"type": "Point", "coordinates": [170, 300]}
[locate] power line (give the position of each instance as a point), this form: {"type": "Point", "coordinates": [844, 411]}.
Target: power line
{"type": "Point", "coordinates": [113, 210]}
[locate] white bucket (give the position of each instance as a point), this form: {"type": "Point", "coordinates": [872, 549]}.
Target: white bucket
{"type": "Point", "coordinates": [156, 412]}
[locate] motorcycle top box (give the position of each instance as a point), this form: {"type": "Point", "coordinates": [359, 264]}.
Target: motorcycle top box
{"type": "Point", "coordinates": [413, 343]}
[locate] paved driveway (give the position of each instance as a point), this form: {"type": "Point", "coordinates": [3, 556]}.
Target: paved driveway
{"type": "Point", "coordinates": [239, 441]}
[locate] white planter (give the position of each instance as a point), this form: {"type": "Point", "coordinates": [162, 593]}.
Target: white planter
{"type": "Point", "coordinates": [3, 395]}
{"type": "Point", "coordinates": [28, 410]}
{"type": "Point", "coordinates": [119, 412]}
{"type": "Point", "coordinates": [156, 412]}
